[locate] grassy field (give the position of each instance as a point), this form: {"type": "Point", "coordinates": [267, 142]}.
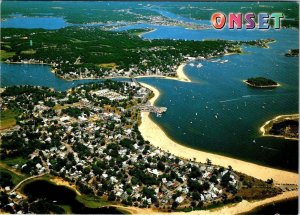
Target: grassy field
{"type": "Point", "coordinates": [108, 65]}
{"type": "Point", "coordinates": [4, 55]}
{"type": "Point", "coordinates": [7, 119]}
{"type": "Point", "coordinates": [92, 201]}
{"type": "Point", "coordinates": [13, 161]}
{"type": "Point", "coordinates": [29, 52]}
{"type": "Point", "coordinates": [15, 177]}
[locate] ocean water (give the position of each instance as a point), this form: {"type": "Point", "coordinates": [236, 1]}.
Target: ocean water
{"type": "Point", "coordinates": [216, 112]}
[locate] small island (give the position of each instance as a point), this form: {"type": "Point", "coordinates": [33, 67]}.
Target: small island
{"type": "Point", "coordinates": [292, 53]}
{"type": "Point", "coordinates": [261, 82]}
{"type": "Point", "coordinates": [285, 126]}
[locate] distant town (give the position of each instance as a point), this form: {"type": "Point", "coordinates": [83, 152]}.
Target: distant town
{"type": "Point", "coordinates": [74, 53]}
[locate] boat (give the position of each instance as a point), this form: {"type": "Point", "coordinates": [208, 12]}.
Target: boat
{"type": "Point", "coordinates": [199, 65]}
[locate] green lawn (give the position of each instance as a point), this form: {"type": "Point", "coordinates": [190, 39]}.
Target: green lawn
{"type": "Point", "coordinates": [29, 52]}
{"type": "Point", "coordinates": [14, 161]}
{"type": "Point", "coordinates": [15, 178]}
{"type": "Point", "coordinates": [4, 55]}
{"type": "Point", "coordinates": [7, 119]}
{"type": "Point", "coordinates": [67, 208]}
{"type": "Point", "coordinates": [92, 201]}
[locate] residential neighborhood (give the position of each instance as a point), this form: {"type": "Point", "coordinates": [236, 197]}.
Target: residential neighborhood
{"type": "Point", "coordinates": [89, 136]}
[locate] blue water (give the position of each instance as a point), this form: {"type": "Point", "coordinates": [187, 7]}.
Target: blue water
{"type": "Point", "coordinates": [29, 74]}
{"type": "Point", "coordinates": [49, 23]}
{"type": "Point", "coordinates": [218, 113]}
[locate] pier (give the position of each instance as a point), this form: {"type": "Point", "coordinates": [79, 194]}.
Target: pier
{"type": "Point", "coordinates": [148, 107]}
{"type": "Point", "coordinates": [152, 109]}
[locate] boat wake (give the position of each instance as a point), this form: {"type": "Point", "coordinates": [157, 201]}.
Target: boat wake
{"type": "Point", "coordinates": [229, 100]}
{"type": "Point", "coordinates": [269, 148]}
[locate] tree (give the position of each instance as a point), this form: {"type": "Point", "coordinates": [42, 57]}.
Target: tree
{"type": "Point", "coordinates": [6, 179]}
{"type": "Point", "coordinates": [196, 196]}
{"type": "Point", "coordinates": [225, 179]}
{"type": "Point", "coordinates": [208, 162]}
{"type": "Point", "coordinates": [111, 196]}
{"type": "Point", "coordinates": [270, 181]}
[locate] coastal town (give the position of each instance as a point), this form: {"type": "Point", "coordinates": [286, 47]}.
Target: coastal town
{"type": "Point", "coordinates": [146, 108]}
{"type": "Point", "coordinates": [89, 137]}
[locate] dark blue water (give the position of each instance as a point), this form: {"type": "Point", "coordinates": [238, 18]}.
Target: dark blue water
{"type": "Point", "coordinates": [29, 74]}
{"type": "Point", "coordinates": [217, 112]}
{"type": "Point", "coordinates": [282, 207]}
{"type": "Point", "coordinates": [61, 195]}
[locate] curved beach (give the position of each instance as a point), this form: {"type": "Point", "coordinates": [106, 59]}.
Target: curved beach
{"type": "Point", "coordinates": [179, 72]}
{"type": "Point", "coordinates": [157, 137]}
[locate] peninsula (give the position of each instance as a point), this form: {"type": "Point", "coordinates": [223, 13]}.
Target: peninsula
{"type": "Point", "coordinates": [91, 53]}
{"type": "Point", "coordinates": [283, 126]}
{"type": "Point", "coordinates": [89, 136]}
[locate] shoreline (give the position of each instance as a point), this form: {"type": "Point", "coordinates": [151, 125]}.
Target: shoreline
{"type": "Point", "coordinates": [179, 71]}
{"type": "Point", "coordinates": [180, 74]}
{"type": "Point", "coordinates": [142, 34]}
{"type": "Point", "coordinates": [264, 129]}
{"type": "Point", "coordinates": [158, 138]}
{"type": "Point", "coordinates": [235, 208]}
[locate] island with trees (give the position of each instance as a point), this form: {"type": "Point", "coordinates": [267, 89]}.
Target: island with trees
{"type": "Point", "coordinates": [284, 126]}
{"type": "Point", "coordinates": [261, 82]}
{"type": "Point", "coordinates": [292, 53]}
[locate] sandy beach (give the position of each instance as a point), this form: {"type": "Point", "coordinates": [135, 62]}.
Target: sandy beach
{"type": "Point", "coordinates": [157, 137]}
{"type": "Point", "coordinates": [241, 207]}
{"type": "Point", "coordinates": [62, 182]}
{"type": "Point", "coordinates": [180, 75]}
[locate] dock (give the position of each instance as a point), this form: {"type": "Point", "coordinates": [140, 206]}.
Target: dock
{"type": "Point", "coordinates": [148, 107]}
{"type": "Point", "coordinates": [152, 109]}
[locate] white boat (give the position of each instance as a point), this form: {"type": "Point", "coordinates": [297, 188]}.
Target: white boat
{"type": "Point", "coordinates": [199, 65]}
